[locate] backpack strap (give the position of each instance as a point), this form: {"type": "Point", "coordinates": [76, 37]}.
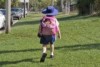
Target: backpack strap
{"type": "Point", "coordinates": [41, 23]}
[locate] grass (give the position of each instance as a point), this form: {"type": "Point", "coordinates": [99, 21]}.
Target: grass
{"type": "Point", "coordinates": [79, 46]}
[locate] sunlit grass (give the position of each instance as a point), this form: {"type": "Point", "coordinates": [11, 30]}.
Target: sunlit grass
{"type": "Point", "coordinates": [79, 46]}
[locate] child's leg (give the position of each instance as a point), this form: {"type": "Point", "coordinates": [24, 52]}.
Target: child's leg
{"type": "Point", "coordinates": [44, 54]}
{"type": "Point", "coordinates": [52, 49]}
{"type": "Point", "coordinates": [44, 47]}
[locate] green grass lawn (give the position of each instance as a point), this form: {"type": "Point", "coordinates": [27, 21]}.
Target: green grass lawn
{"type": "Point", "coordinates": [79, 46]}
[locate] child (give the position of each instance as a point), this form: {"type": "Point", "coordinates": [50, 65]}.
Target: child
{"type": "Point", "coordinates": [48, 29]}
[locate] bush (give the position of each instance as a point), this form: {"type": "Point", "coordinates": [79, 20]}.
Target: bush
{"type": "Point", "coordinates": [84, 6]}
{"type": "Point", "coordinates": [97, 6]}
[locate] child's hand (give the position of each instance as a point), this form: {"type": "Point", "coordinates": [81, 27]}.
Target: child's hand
{"type": "Point", "coordinates": [59, 36]}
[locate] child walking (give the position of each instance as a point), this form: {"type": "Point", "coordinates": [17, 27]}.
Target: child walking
{"type": "Point", "coordinates": [48, 29]}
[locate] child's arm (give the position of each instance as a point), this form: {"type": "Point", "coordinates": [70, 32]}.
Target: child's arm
{"type": "Point", "coordinates": [39, 30]}
{"type": "Point", "coordinates": [58, 29]}
{"type": "Point", "coordinates": [59, 33]}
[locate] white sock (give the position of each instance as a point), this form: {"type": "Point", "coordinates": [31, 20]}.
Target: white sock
{"type": "Point", "coordinates": [51, 53]}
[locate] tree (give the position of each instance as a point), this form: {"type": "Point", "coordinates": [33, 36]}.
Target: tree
{"type": "Point", "coordinates": [52, 2]}
{"type": "Point", "coordinates": [97, 6]}
{"type": "Point", "coordinates": [62, 5]}
{"type": "Point", "coordinates": [85, 6]}
{"type": "Point", "coordinates": [15, 3]}
{"type": "Point", "coordinates": [8, 14]}
{"type": "Point", "coordinates": [39, 4]}
{"type": "Point", "coordinates": [67, 6]}
{"type": "Point", "coordinates": [2, 3]}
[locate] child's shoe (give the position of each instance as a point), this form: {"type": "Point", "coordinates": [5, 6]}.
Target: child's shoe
{"type": "Point", "coordinates": [43, 57]}
{"type": "Point", "coordinates": [51, 56]}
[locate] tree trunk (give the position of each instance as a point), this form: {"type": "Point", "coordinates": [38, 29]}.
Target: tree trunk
{"type": "Point", "coordinates": [8, 14]}
{"type": "Point", "coordinates": [52, 2]}
{"type": "Point", "coordinates": [91, 8]}
{"type": "Point", "coordinates": [62, 6]}
{"type": "Point", "coordinates": [67, 7]}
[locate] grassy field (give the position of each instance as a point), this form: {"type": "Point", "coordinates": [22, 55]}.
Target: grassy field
{"type": "Point", "coordinates": [79, 46]}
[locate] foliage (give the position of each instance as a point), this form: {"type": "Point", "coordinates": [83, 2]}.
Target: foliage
{"type": "Point", "coordinates": [39, 4]}
{"type": "Point", "coordinates": [44, 3]}
{"type": "Point", "coordinates": [2, 2]}
{"type": "Point", "coordinates": [97, 6]}
{"type": "Point", "coordinates": [15, 3]}
{"type": "Point", "coordinates": [84, 6]}
{"type": "Point", "coordinates": [59, 5]}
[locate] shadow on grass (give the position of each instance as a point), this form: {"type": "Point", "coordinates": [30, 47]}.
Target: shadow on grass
{"type": "Point", "coordinates": [15, 51]}
{"type": "Point", "coordinates": [69, 48]}
{"type": "Point", "coordinates": [75, 17]}
{"type": "Point", "coordinates": [18, 61]}
{"type": "Point", "coordinates": [80, 47]}
{"type": "Point", "coordinates": [32, 22]}
{"type": "Point", "coordinates": [27, 23]}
